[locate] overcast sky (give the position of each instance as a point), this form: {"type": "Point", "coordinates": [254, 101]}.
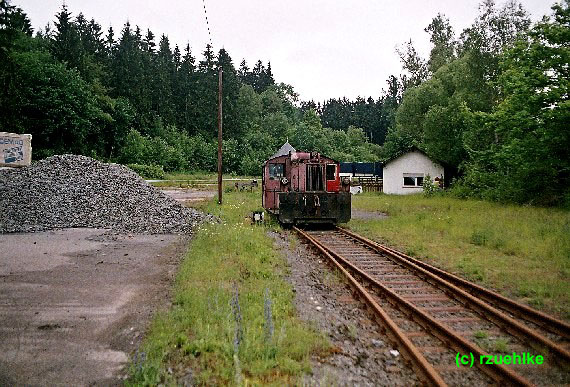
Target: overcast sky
{"type": "Point", "coordinates": [324, 48]}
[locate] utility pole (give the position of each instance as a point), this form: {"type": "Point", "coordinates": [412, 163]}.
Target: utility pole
{"type": "Point", "coordinates": [220, 135]}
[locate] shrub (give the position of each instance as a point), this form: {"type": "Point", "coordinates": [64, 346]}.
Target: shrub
{"type": "Point", "coordinates": [480, 237]}
{"type": "Point", "coordinates": [251, 166]}
{"type": "Point", "coordinates": [429, 187]}
{"type": "Point", "coordinates": [148, 171]}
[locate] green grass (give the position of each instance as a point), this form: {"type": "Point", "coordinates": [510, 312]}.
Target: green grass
{"type": "Point", "coordinates": [500, 345]}
{"type": "Point", "coordinates": [481, 335]}
{"type": "Point", "coordinates": [522, 251]}
{"type": "Point", "coordinates": [197, 333]}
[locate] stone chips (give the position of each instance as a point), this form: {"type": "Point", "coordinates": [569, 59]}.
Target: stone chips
{"type": "Point", "coordinates": [77, 191]}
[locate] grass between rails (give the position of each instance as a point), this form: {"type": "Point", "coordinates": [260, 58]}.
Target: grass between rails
{"type": "Point", "coordinates": [521, 251]}
{"type": "Point", "coordinates": [197, 334]}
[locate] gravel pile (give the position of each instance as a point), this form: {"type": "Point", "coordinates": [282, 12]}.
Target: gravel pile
{"type": "Point", "coordinates": [77, 191]}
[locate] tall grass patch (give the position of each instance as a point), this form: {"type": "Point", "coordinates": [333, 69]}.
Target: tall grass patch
{"type": "Point", "coordinates": [522, 251]}
{"type": "Point", "coordinates": [232, 319]}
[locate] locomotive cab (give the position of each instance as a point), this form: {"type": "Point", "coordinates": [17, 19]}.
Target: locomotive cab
{"type": "Point", "coordinates": [305, 187]}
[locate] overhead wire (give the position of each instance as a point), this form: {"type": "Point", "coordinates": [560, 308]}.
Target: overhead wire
{"type": "Point", "coordinates": [207, 24]}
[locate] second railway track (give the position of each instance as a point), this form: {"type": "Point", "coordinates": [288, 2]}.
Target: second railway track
{"type": "Point", "coordinates": [432, 316]}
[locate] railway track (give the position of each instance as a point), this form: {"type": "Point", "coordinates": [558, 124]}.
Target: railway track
{"type": "Point", "coordinates": [440, 321]}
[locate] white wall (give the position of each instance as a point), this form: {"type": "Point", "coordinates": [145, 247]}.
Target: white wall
{"type": "Point", "coordinates": [411, 162]}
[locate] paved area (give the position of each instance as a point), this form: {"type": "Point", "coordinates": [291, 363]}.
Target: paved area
{"type": "Point", "coordinates": [75, 303]}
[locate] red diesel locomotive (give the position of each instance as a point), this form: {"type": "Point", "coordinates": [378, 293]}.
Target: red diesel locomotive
{"type": "Point", "coordinates": [304, 188]}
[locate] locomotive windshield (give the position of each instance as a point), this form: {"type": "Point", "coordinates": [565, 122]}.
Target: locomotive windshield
{"type": "Point", "coordinates": [276, 171]}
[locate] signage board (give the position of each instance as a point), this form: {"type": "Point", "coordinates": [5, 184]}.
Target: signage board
{"type": "Point", "coordinates": [15, 149]}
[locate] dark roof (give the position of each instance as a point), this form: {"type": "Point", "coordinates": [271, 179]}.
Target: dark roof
{"type": "Point", "coordinates": [372, 168]}
{"type": "Point", "coordinates": [284, 150]}
{"type": "Point", "coordinates": [412, 149]}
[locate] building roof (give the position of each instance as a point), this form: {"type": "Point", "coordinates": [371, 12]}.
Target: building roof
{"type": "Point", "coordinates": [284, 150]}
{"type": "Point", "coordinates": [412, 149]}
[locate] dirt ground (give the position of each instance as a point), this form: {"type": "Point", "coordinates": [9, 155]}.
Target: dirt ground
{"type": "Point", "coordinates": [74, 303]}
{"type": "Point", "coordinates": [189, 196]}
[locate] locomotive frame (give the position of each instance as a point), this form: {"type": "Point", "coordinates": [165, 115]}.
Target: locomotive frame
{"type": "Point", "coordinates": [305, 188]}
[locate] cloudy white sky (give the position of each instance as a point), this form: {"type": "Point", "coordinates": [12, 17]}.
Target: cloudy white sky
{"type": "Point", "coordinates": [324, 48]}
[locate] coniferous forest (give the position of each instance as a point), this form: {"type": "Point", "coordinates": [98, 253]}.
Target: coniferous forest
{"type": "Point", "coordinates": [490, 103]}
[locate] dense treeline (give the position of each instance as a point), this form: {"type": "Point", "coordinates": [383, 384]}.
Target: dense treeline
{"type": "Point", "coordinates": [375, 117]}
{"type": "Point", "coordinates": [133, 98]}
{"type": "Point", "coordinates": [490, 104]}
{"type": "Point", "coordinates": [493, 104]}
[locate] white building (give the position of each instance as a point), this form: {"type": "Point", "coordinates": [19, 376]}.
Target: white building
{"type": "Point", "coordinates": [405, 174]}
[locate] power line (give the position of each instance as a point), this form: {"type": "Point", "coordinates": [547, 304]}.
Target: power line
{"type": "Point", "coordinates": [207, 24]}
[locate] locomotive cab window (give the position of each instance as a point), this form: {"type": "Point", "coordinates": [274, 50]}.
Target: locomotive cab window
{"type": "Point", "coordinates": [331, 171]}
{"type": "Point", "coordinates": [276, 171]}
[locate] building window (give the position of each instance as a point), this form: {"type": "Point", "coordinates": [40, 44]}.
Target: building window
{"type": "Point", "coordinates": [413, 179]}
{"type": "Point", "coordinates": [331, 172]}
{"type": "Point", "coordinates": [276, 171]}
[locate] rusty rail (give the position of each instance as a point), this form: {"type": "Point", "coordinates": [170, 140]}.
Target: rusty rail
{"type": "Point", "coordinates": [522, 311]}
{"type": "Point", "coordinates": [497, 372]}
{"type": "Point", "coordinates": [485, 309]}
{"type": "Point", "coordinates": [428, 373]}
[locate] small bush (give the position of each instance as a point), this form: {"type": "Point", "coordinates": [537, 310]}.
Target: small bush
{"type": "Point", "coordinates": [479, 237]}
{"type": "Point", "coordinates": [148, 171]}
{"type": "Point", "coordinates": [429, 187]}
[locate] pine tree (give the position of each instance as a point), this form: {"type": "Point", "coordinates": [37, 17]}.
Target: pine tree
{"type": "Point", "coordinates": [165, 73]}
{"type": "Point", "coordinates": [243, 72]}
{"type": "Point", "coordinates": [149, 44]}
{"type": "Point", "coordinates": [176, 57]}
{"type": "Point", "coordinates": [13, 20]}
{"type": "Point", "coordinates": [268, 76]}
{"type": "Point", "coordinates": [66, 44]}
{"type": "Point", "coordinates": [206, 94]}
{"type": "Point", "coordinates": [261, 78]}
{"type": "Point", "coordinates": [185, 93]}
{"type": "Point", "coordinates": [110, 42]}
{"type": "Point", "coordinates": [13, 23]}
{"type": "Point", "coordinates": [207, 65]}
{"type": "Point", "coordinates": [128, 75]}
{"type": "Point", "coordinates": [93, 56]}
{"type": "Point", "coordinates": [231, 88]}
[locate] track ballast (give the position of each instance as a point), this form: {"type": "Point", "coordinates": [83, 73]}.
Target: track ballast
{"type": "Point", "coordinates": [436, 318]}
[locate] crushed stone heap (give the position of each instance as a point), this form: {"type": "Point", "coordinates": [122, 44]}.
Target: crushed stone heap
{"type": "Point", "coordinates": [77, 191]}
